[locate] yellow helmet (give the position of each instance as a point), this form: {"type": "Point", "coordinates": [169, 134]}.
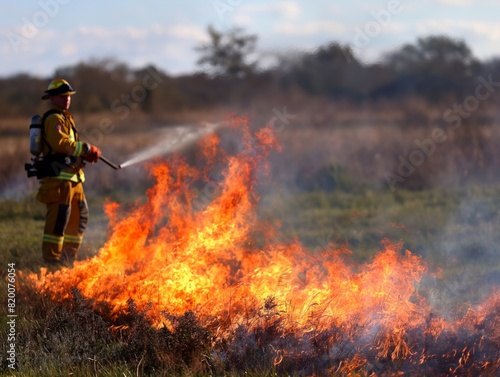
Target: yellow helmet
{"type": "Point", "coordinates": [58, 87]}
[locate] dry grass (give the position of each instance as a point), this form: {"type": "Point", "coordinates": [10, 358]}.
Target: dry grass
{"type": "Point", "coordinates": [367, 142]}
{"type": "Point", "coordinates": [77, 337]}
{"type": "Point", "coordinates": [55, 336]}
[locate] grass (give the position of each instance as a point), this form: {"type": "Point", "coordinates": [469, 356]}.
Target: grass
{"type": "Point", "coordinates": [424, 220]}
{"type": "Point", "coordinates": [429, 222]}
{"type": "Point", "coordinates": [454, 229]}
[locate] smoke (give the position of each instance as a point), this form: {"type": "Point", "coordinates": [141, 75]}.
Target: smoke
{"type": "Point", "coordinates": [468, 246]}
{"type": "Point", "coordinates": [172, 140]}
{"type": "Point", "coordinates": [18, 187]}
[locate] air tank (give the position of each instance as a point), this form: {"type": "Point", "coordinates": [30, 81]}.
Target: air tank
{"type": "Point", "coordinates": [36, 135]}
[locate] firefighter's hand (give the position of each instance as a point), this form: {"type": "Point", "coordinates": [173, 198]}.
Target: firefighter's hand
{"type": "Point", "coordinates": [92, 155]}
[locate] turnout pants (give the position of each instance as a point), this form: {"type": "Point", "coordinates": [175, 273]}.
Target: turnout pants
{"type": "Point", "coordinates": [66, 219]}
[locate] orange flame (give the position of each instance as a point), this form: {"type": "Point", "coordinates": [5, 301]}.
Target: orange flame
{"type": "Point", "coordinates": [184, 249]}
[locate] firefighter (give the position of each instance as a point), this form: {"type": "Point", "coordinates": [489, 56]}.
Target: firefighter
{"type": "Point", "coordinates": [62, 192]}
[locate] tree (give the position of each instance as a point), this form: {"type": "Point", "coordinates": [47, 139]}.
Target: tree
{"type": "Point", "coordinates": [331, 70]}
{"type": "Point", "coordinates": [228, 54]}
{"type": "Point", "coordinates": [20, 94]}
{"type": "Point", "coordinates": [435, 65]}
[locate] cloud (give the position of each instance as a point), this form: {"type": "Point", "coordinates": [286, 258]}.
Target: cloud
{"type": "Point", "coordinates": [249, 14]}
{"type": "Point", "coordinates": [310, 28]}
{"type": "Point", "coordinates": [456, 2]}
{"type": "Point", "coordinates": [169, 46]}
{"type": "Point", "coordinates": [285, 9]}
{"type": "Point", "coordinates": [291, 10]}
{"type": "Point", "coordinates": [187, 32]}
{"type": "Point", "coordinates": [96, 32]}
{"type": "Point", "coordinates": [68, 49]}
{"type": "Point", "coordinates": [18, 45]}
{"type": "Point", "coordinates": [180, 31]}
{"type": "Point", "coordinates": [137, 33]}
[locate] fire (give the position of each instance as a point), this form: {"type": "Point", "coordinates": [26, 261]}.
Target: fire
{"type": "Point", "coordinates": [203, 250]}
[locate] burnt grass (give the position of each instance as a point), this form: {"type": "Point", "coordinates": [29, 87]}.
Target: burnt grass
{"type": "Point", "coordinates": [81, 337]}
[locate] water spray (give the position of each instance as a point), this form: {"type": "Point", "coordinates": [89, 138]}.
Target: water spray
{"type": "Point", "coordinates": [184, 136]}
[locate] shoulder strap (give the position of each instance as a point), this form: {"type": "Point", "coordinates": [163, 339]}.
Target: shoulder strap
{"type": "Point", "coordinates": [50, 112]}
{"type": "Point", "coordinates": [45, 116]}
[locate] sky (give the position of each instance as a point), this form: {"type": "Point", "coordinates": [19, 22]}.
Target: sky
{"type": "Point", "coordinates": [39, 36]}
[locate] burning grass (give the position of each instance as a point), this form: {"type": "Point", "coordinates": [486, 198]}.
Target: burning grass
{"type": "Point", "coordinates": [190, 277]}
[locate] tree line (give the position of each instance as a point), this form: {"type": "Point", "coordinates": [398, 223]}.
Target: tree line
{"type": "Point", "coordinates": [231, 73]}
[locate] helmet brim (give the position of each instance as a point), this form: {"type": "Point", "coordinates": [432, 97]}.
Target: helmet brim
{"type": "Point", "coordinates": [47, 95]}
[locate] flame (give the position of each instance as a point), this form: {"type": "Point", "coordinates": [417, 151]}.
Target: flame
{"type": "Point", "coordinates": [204, 250]}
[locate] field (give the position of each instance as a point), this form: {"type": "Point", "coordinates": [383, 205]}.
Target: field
{"type": "Point", "coordinates": [326, 190]}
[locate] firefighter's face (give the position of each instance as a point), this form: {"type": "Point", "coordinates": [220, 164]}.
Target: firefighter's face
{"type": "Point", "coordinates": [61, 101]}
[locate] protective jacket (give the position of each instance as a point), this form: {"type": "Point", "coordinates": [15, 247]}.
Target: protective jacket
{"type": "Point", "coordinates": [61, 141]}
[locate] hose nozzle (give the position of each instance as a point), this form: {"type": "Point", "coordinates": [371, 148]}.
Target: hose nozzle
{"type": "Point", "coordinates": [106, 161]}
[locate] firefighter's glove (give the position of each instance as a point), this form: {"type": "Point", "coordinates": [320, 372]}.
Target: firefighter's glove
{"type": "Point", "coordinates": [92, 155]}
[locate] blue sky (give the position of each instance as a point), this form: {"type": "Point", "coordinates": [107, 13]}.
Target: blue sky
{"type": "Point", "coordinates": [39, 36]}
